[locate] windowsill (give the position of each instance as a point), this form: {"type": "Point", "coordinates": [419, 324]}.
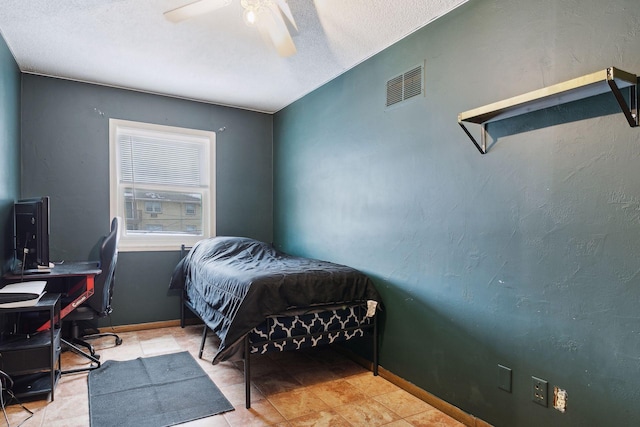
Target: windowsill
{"type": "Point", "coordinates": [157, 246]}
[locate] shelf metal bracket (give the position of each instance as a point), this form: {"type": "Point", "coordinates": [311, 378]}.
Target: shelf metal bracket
{"type": "Point", "coordinates": [482, 147]}
{"type": "Point", "coordinates": [629, 111]}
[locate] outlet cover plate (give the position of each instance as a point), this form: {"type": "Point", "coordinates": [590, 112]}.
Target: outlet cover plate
{"type": "Point", "coordinates": [539, 391]}
{"type": "Point", "coordinates": [504, 378]}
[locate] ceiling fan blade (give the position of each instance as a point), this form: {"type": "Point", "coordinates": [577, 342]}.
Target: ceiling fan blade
{"type": "Point", "coordinates": [191, 10]}
{"type": "Point", "coordinates": [284, 7]}
{"type": "Point", "coordinates": [273, 27]}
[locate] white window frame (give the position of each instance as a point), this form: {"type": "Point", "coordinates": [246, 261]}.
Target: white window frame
{"type": "Point", "coordinates": [133, 242]}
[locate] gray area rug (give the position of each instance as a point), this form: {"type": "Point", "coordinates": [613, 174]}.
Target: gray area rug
{"type": "Point", "coordinates": [152, 391]}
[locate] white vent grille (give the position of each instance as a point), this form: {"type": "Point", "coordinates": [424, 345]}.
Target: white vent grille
{"type": "Point", "coordinates": [405, 86]}
{"type": "Point", "coordinates": [394, 90]}
{"type": "Point", "coordinates": [413, 83]}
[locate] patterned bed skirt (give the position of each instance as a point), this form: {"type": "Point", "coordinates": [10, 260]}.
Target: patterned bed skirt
{"type": "Point", "coordinates": [282, 333]}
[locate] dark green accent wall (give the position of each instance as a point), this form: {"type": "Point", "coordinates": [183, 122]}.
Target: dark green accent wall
{"type": "Point", "coordinates": [10, 149]}
{"type": "Point", "coordinates": [526, 257]}
{"type": "Point", "coordinates": [65, 155]}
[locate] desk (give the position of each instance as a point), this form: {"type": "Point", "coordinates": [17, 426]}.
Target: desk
{"type": "Point", "coordinates": [85, 271]}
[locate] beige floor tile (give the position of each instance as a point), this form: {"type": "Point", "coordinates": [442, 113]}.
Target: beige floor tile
{"type": "Point", "coordinates": [69, 407]}
{"type": "Point", "coordinates": [235, 394]}
{"type": "Point", "coordinates": [125, 351]}
{"type": "Point", "coordinates": [275, 382]}
{"type": "Point", "coordinates": [262, 364]}
{"type": "Point", "coordinates": [68, 422]}
{"type": "Point", "coordinates": [215, 421]}
{"type": "Point", "coordinates": [432, 418]}
{"type": "Point", "coordinates": [18, 415]}
{"type": "Point", "coordinates": [294, 362]}
{"type": "Point", "coordinates": [160, 345]}
{"type": "Point", "coordinates": [399, 423]}
{"type": "Point", "coordinates": [223, 375]}
{"type": "Point", "coordinates": [297, 403]}
{"type": "Point", "coordinates": [371, 385]}
{"type": "Point", "coordinates": [148, 334]}
{"type": "Point", "coordinates": [313, 376]}
{"type": "Point", "coordinates": [262, 413]}
{"type": "Point", "coordinates": [320, 419]}
{"type": "Point", "coordinates": [69, 359]}
{"type": "Point", "coordinates": [367, 413]}
{"type": "Point", "coordinates": [189, 337]}
{"type": "Point", "coordinates": [346, 368]}
{"type": "Point", "coordinates": [71, 385]}
{"type": "Point", "coordinates": [336, 393]}
{"type": "Point", "coordinates": [324, 355]}
{"type": "Point", "coordinates": [403, 403]}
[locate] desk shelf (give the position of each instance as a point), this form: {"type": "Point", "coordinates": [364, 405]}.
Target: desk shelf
{"type": "Point", "coordinates": [33, 361]}
{"type": "Point", "coordinates": [610, 79]}
{"type": "Point", "coordinates": [36, 384]}
{"type": "Point", "coordinates": [28, 355]}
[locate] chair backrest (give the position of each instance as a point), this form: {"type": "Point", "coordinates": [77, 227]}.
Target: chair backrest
{"type": "Point", "coordinates": [104, 282]}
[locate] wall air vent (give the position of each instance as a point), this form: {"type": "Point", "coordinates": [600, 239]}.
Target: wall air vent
{"type": "Point", "coordinates": [394, 90]}
{"type": "Point", "coordinates": [405, 86]}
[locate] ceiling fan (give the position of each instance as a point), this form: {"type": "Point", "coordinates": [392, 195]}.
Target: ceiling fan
{"type": "Point", "coordinates": [268, 16]}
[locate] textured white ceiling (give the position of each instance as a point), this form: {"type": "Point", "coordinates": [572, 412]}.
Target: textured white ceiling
{"type": "Point", "coordinates": [213, 58]}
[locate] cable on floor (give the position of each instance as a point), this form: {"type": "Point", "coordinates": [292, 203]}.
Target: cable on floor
{"type": "Point", "coordinates": [6, 387]}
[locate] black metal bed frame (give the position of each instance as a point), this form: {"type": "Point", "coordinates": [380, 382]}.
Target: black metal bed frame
{"type": "Point", "coordinates": [184, 303]}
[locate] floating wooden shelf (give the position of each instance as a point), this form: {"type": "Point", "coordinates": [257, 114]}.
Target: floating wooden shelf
{"type": "Point", "coordinates": [610, 79]}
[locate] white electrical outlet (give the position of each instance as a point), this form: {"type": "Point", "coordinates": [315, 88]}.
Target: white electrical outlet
{"type": "Point", "coordinates": [560, 399]}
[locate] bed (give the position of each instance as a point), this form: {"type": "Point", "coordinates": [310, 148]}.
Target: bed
{"type": "Point", "coordinates": [257, 299]}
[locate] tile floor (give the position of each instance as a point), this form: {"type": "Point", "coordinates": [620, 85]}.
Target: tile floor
{"type": "Point", "coordinates": [315, 387]}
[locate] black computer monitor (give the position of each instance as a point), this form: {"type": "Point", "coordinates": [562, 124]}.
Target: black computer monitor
{"type": "Point", "coordinates": [32, 232]}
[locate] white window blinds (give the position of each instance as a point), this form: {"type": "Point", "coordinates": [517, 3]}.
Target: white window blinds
{"type": "Point", "coordinates": [148, 160]}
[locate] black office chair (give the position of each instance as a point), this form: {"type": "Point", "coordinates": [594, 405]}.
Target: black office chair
{"type": "Point", "coordinates": [99, 304]}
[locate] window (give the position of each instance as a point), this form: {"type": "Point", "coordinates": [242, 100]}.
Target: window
{"type": "Point", "coordinates": [153, 207]}
{"type": "Point", "coordinates": [162, 183]}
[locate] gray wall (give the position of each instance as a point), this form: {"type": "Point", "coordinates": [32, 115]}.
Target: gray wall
{"type": "Point", "coordinates": [65, 149]}
{"type": "Point", "coordinates": [527, 256]}
{"type": "Point", "coordinates": [10, 149]}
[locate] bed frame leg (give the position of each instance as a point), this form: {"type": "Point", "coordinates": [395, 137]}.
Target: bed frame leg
{"type": "Point", "coordinates": [247, 372]}
{"type": "Point", "coordinates": [182, 309]}
{"type": "Point", "coordinates": [202, 341]}
{"type": "Point", "coordinates": [183, 252]}
{"type": "Point", "coordinates": [375, 345]}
